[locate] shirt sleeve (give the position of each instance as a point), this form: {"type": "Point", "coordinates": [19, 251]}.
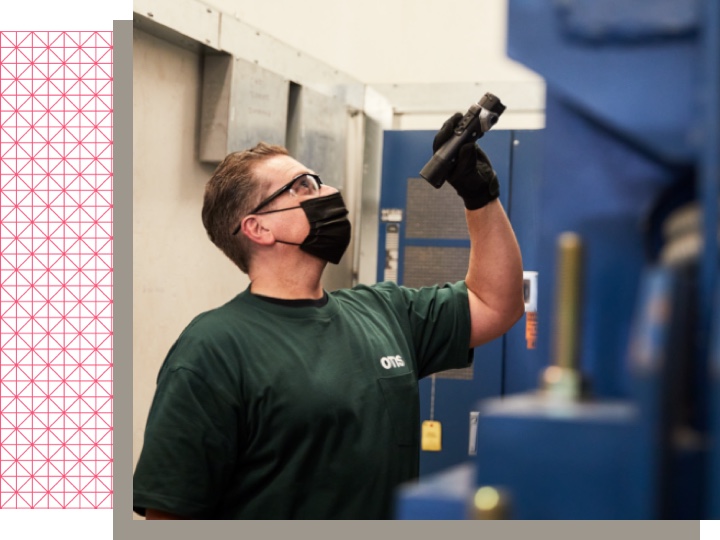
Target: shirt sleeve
{"type": "Point", "coordinates": [439, 319]}
{"type": "Point", "coordinates": [189, 448]}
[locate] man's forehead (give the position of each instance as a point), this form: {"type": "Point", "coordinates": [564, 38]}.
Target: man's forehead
{"type": "Point", "coordinates": [279, 169]}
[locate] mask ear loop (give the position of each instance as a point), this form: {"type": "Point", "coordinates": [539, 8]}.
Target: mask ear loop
{"type": "Point", "coordinates": [288, 243]}
{"type": "Point", "coordinates": [275, 211]}
{"type": "Point", "coordinates": [237, 229]}
{"type": "Point", "coordinates": [281, 210]}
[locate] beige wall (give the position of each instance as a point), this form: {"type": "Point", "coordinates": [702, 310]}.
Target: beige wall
{"type": "Point", "coordinates": [428, 59]}
{"type": "Point", "coordinates": [392, 41]}
{"type": "Point", "coordinates": [177, 271]}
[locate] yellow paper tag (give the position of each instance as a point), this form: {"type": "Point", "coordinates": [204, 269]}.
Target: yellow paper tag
{"type": "Point", "coordinates": [431, 440]}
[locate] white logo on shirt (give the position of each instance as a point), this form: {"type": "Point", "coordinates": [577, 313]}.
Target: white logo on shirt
{"type": "Point", "coordinates": [389, 362]}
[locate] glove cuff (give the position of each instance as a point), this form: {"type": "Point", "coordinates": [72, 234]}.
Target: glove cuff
{"type": "Point", "coordinates": [490, 192]}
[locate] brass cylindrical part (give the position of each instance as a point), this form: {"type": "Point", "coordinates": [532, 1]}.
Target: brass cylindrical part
{"type": "Point", "coordinates": [568, 301]}
{"type": "Point", "coordinates": [490, 503]}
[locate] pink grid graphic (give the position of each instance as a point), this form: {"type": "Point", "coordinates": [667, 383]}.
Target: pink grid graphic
{"type": "Point", "coordinates": [56, 270]}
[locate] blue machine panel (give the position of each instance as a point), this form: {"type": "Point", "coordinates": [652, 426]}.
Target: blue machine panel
{"type": "Point", "coordinates": [597, 186]}
{"type": "Point", "coordinates": [443, 495]}
{"type": "Point", "coordinates": [611, 60]}
{"type": "Point", "coordinates": [713, 490]}
{"type": "Point", "coordinates": [573, 462]}
{"type": "Point", "coordinates": [522, 366]}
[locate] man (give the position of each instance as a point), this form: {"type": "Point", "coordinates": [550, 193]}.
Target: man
{"type": "Point", "coordinates": [289, 402]}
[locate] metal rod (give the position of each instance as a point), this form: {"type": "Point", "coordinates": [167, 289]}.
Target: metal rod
{"type": "Point", "coordinates": [567, 301]}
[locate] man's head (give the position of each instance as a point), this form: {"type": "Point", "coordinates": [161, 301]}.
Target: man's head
{"type": "Point", "coordinates": [230, 194]}
{"type": "Point", "coordinates": [263, 200]}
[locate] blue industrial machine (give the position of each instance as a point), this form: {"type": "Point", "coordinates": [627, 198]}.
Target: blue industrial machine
{"type": "Point", "coordinates": [626, 423]}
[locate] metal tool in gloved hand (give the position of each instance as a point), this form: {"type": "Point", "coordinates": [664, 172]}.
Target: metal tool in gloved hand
{"type": "Point", "coordinates": [459, 160]}
{"type": "Point", "coordinates": [478, 119]}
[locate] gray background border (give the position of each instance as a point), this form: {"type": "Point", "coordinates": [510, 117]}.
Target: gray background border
{"type": "Point", "coordinates": [122, 275]}
{"type": "Point", "coordinates": [125, 528]}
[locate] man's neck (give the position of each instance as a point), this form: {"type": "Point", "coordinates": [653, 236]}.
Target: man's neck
{"type": "Point", "coordinates": [288, 282]}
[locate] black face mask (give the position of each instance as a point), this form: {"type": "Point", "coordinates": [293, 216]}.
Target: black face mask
{"type": "Point", "coordinates": [329, 234]}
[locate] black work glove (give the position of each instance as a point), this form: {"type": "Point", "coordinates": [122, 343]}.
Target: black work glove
{"type": "Point", "coordinates": [472, 176]}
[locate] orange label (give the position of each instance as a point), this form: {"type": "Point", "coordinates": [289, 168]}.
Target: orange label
{"type": "Point", "coordinates": [531, 329]}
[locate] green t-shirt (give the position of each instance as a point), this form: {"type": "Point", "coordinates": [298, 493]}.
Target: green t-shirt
{"type": "Point", "coordinates": [266, 411]}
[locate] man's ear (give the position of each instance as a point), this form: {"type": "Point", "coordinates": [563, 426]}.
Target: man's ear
{"type": "Point", "coordinates": [253, 229]}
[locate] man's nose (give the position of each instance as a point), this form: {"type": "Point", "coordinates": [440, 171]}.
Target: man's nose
{"type": "Point", "coordinates": [327, 190]}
